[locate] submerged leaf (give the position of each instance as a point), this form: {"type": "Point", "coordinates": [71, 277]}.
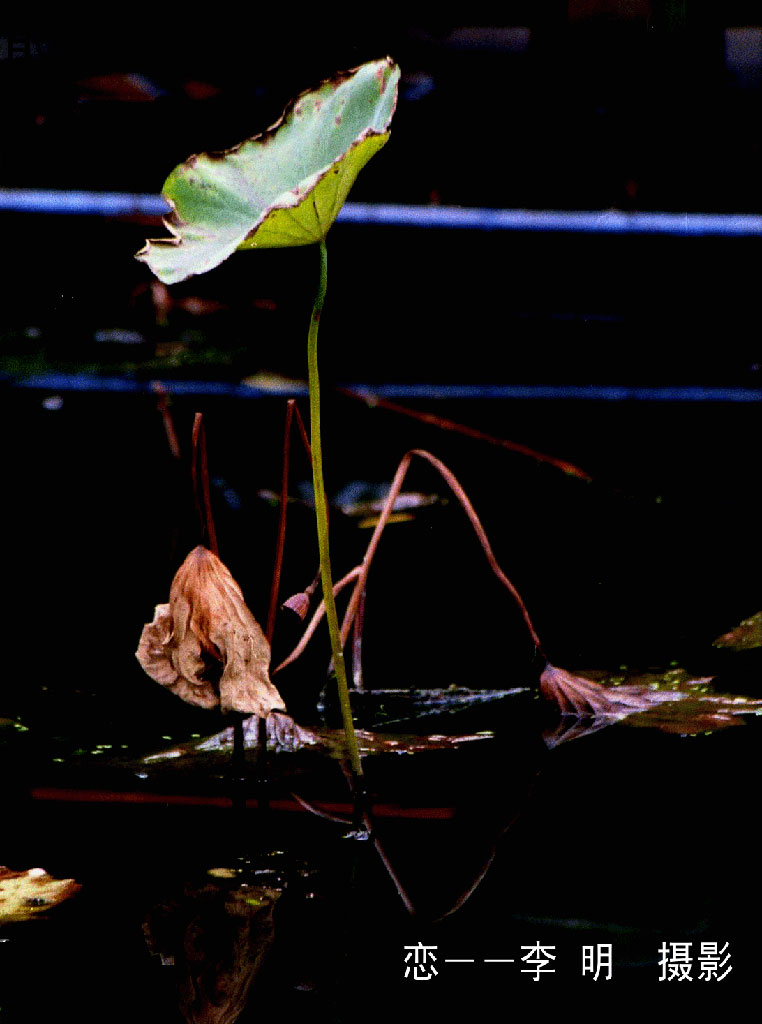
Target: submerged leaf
{"type": "Point", "coordinates": [205, 645]}
{"type": "Point", "coordinates": [284, 735]}
{"type": "Point", "coordinates": [698, 714]}
{"type": "Point", "coordinates": [745, 636]}
{"type": "Point", "coordinates": [28, 894]}
{"type": "Point", "coordinates": [282, 188]}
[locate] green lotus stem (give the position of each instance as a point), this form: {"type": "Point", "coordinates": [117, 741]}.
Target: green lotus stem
{"type": "Point", "coordinates": [321, 513]}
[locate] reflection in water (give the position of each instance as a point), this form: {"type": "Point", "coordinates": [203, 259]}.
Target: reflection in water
{"type": "Point", "coordinates": [671, 701]}
{"type": "Point", "coordinates": [217, 936]}
{"type": "Point", "coordinates": [25, 895]}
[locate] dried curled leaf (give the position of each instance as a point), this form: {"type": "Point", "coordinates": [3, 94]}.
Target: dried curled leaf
{"type": "Point", "coordinates": [28, 894]}
{"type": "Point", "coordinates": [205, 645]}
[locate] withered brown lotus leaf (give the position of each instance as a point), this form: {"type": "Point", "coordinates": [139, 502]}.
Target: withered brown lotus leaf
{"type": "Point", "coordinates": [577, 695]}
{"type": "Point", "coordinates": [205, 645]}
{"type": "Point", "coordinates": [673, 701]}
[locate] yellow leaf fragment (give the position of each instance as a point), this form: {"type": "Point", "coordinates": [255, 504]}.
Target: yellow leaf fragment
{"type": "Point", "coordinates": [28, 894]}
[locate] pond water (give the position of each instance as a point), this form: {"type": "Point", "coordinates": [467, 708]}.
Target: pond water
{"type": "Point", "coordinates": [640, 839]}
{"type": "Point", "coordinates": [627, 838]}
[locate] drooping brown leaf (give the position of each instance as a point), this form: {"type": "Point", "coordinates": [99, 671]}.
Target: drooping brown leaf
{"type": "Point", "coordinates": [28, 894]}
{"type": "Point", "coordinates": [586, 698]}
{"type": "Point", "coordinates": [671, 701]}
{"type": "Point", "coordinates": [745, 636]}
{"type": "Point", "coordinates": [586, 706]}
{"type": "Point", "coordinates": [205, 645]}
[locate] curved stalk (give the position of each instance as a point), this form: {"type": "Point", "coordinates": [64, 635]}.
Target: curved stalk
{"type": "Point", "coordinates": [321, 514]}
{"type": "Point", "coordinates": [315, 620]}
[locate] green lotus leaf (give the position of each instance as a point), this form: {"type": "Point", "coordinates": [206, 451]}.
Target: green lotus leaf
{"type": "Point", "coordinates": [282, 188]}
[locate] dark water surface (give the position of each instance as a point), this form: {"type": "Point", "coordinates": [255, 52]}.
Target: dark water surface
{"type": "Point", "coordinates": [629, 836]}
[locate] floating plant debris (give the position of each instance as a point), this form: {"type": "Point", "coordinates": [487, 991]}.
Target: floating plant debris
{"type": "Point", "coordinates": [584, 697]}
{"type": "Point", "coordinates": [28, 894]}
{"type": "Point", "coordinates": [671, 701]}
{"type": "Point", "coordinates": [286, 736]}
{"type": "Point", "coordinates": [205, 645]}
{"type": "Point", "coordinates": [694, 715]}
{"type": "Point", "coordinates": [381, 708]}
{"type": "Point", "coordinates": [746, 635]}
{"type": "Point", "coordinates": [364, 510]}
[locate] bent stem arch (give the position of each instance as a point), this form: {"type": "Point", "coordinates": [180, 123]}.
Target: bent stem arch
{"type": "Point", "coordinates": [468, 508]}
{"type": "Point", "coordinates": [360, 572]}
{"type": "Point", "coordinates": [321, 515]}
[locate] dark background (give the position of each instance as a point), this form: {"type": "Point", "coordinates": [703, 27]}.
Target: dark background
{"type": "Point", "coordinates": [635, 107]}
{"type": "Point", "coordinates": [582, 106]}
{"type": "Point", "coordinates": [586, 106]}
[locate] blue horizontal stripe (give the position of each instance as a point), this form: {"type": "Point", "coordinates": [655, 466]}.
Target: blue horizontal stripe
{"type": "Point", "coordinates": [608, 222]}
{"type": "Point", "coordinates": [517, 392]}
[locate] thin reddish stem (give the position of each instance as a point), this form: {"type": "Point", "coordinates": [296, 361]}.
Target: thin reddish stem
{"type": "Point", "coordinates": [315, 620]}
{"type": "Point", "coordinates": [281, 541]}
{"type": "Point", "coordinates": [462, 497]}
{"type": "Point", "coordinates": [302, 431]}
{"type": "Point", "coordinates": [470, 511]}
{"type": "Point", "coordinates": [292, 410]}
{"type": "Point", "coordinates": [201, 493]}
{"type": "Point", "coordinates": [162, 404]}
{"type": "Point", "coordinates": [482, 872]}
{"type": "Point", "coordinates": [433, 420]}
{"type": "Point", "coordinates": [360, 573]}
{"type": "Point", "coordinates": [367, 822]}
